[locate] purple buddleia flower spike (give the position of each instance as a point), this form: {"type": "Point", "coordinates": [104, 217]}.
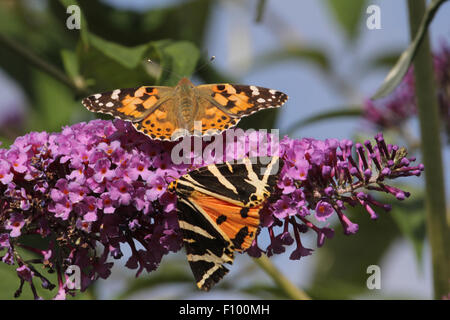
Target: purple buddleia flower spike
{"type": "Point", "coordinates": [95, 188]}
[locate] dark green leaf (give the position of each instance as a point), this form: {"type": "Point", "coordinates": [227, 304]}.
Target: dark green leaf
{"type": "Point", "coordinates": [10, 282]}
{"type": "Point", "coordinates": [54, 103]}
{"type": "Point", "coordinates": [184, 20]}
{"type": "Point", "coordinates": [5, 142]}
{"type": "Point", "coordinates": [264, 119]}
{"type": "Point", "coordinates": [83, 25]}
{"type": "Point", "coordinates": [70, 63]}
{"type": "Point", "coordinates": [112, 65]}
{"type": "Point", "coordinates": [168, 273]}
{"type": "Point", "coordinates": [348, 14]}
{"type": "Point", "coordinates": [129, 57]}
{"type": "Point", "coordinates": [178, 59]}
{"type": "Point", "coordinates": [396, 74]}
{"type": "Point", "coordinates": [385, 60]}
{"type": "Point", "coordinates": [264, 291]}
{"type": "Point", "coordinates": [104, 73]}
{"type": "Point", "coordinates": [334, 289]}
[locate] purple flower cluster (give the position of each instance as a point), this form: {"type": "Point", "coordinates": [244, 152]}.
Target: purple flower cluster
{"type": "Point", "coordinates": [320, 178]}
{"type": "Point", "coordinates": [393, 111]}
{"type": "Point", "coordinates": [98, 186]}
{"type": "Point", "coordinates": [94, 183]}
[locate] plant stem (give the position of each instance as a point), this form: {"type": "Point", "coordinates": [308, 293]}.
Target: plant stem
{"type": "Point", "coordinates": [437, 227]}
{"type": "Point", "coordinates": [39, 63]}
{"type": "Point", "coordinates": [289, 289]}
{"type": "Point", "coordinates": [260, 10]}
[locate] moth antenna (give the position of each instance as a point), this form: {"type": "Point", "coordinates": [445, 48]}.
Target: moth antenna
{"type": "Point", "coordinates": [170, 176]}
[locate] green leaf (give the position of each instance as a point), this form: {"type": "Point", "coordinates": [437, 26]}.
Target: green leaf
{"type": "Point", "coordinates": [104, 73]}
{"type": "Point", "coordinates": [335, 289]}
{"type": "Point", "coordinates": [265, 291]}
{"type": "Point", "coordinates": [10, 282]}
{"type": "Point", "coordinates": [178, 59]}
{"type": "Point", "coordinates": [396, 74]}
{"type": "Point", "coordinates": [70, 63]}
{"type": "Point", "coordinates": [112, 65]}
{"type": "Point", "coordinates": [384, 60]}
{"type": "Point", "coordinates": [353, 111]}
{"type": "Point", "coordinates": [170, 272]}
{"type": "Point", "coordinates": [84, 30]}
{"type": "Point", "coordinates": [183, 20]}
{"type": "Point", "coordinates": [264, 119]}
{"type": "Point", "coordinates": [129, 57]}
{"type": "Point", "coordinates": [53, 103]}
{"type": "Point", "coordinates": [348, 14]}
{"type": "Point", "coordinates": [5, 142]}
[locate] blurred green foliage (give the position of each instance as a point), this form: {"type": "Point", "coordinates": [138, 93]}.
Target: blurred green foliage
{"type": "Point", "coordinates": [348, 14]}
{"type": "Point", "coordinates": [55, 67]}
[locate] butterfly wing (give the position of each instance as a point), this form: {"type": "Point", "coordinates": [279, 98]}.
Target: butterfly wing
{"type": "Point", "coordinates": [213, 120]}
{"type": "Point", "coordinates": [132, 104]}
{"type": "Point", "coordinates": [149, 108]}
{"type": "Point", "coordinates": [218, 215]}
{"type": "Point", "coordinates": [161, 123]}
{"type": "Point", "coordinates": [238, 101]}
{"type": "Point", "coordinates": [152, 109]}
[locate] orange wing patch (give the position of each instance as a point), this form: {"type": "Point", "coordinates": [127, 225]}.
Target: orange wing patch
{"type": "Point", "coordinates": [130, 107]}
{"type": "Point", "coordinates": [241, 100]}
{"type": "Point", "coordinates": [214, 119]}
{"type": "Point", "coordinates": [227, 96]}
{"type": "Point", "coordinates": [238, 223]}
{"type": "Point", "coordinates": [139, 102]}
{"type": "Point", "coordinates": [228, 88]}
{"type": "Point", "coordinates": [241, 103]}
{"type": "Point", "coordinates": [127, 104]}
{"type": "Point", "coordinates": [160, 124]}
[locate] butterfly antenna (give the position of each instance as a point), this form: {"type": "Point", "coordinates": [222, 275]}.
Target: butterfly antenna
{"type": "Point", "coordinates": [161, 68]}
{"type": "Point", "coordinates": [205, 64]}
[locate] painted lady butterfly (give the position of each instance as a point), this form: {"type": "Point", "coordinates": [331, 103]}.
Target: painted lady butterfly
{"type": "Point", "coordinates": [168, 113]}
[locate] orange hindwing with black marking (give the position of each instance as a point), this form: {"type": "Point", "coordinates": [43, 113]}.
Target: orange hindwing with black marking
{"type": "Point", "coordinates": [218, 211]}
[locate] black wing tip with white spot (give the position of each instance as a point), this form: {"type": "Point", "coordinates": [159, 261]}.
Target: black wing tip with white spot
{"type": "Point", "coordinates": [87, 102]}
